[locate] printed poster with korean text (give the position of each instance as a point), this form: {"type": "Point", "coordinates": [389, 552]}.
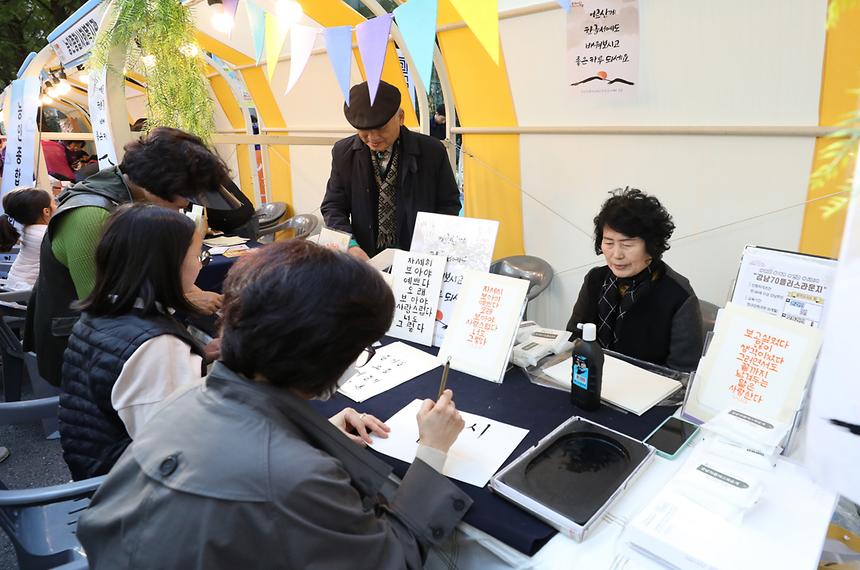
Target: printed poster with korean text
{"type": "Point", "coordinates": [786, 284]}
{"type": "Point", "coordinates": [756, 363]}
{"type": "Point", "coordinates": [484, 324]}
{"type": "Point", "coordinates": [603, 47]}
{"type": "Point", "coordinates": [467, 243]}
{"type": "Point", "coordinates": [417, 280]}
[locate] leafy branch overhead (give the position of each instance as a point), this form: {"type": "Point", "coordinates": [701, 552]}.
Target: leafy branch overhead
{"type": "Point", "coordinates": [157, 38]}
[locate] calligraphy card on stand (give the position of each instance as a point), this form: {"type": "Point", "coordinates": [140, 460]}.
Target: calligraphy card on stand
{"type": "Point", "coordinates": [756, 363]}
{"type": "Point", "coordinates": [467, 243]}
{"type": "Point", "coordinates": [484, 325]}
{"type": "Point", "coordinates": [416, 285]}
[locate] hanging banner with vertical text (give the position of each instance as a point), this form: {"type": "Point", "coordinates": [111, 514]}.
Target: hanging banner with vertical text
{"type": "Point", "coordinates": [19, 163]}
{"type": "Point", "coordinates": [99, 118]}
{"type": "Point", "coordinates": [603, 47]}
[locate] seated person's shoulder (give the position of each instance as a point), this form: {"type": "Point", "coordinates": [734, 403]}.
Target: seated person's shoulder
{"type": "Point", "coordinates": [673, 278]}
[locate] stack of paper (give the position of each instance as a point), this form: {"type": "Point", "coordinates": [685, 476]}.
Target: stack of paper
{"type": "Point", "coordinates": [627, 386]}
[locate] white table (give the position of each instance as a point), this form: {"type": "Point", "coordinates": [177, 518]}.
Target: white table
{"type": "Point", "coordinates": [785, 530]}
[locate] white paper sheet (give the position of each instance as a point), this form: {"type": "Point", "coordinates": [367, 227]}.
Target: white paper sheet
{"type": "Point", "coordinates": [333, 239]}
{"type": "Point", "coordinates": [467, 243]}
{"type": "Point", "coordinates": [393, 365]}
{"type": "Point", "coordinates": [479, 451]}
{"type": "Point", "coordinates": [224, 241]}
{"type": "Point", "coordinates": [383, 260]}
{"type": "Point", "coordinates": [483, 327]}
{"type": "Point", "coordinates": [627, 386]}
{"type": "Point", "coordinates": [417, 279]}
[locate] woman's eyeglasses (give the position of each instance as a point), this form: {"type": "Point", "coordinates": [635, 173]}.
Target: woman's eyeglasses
{"type": "Point", "coordinates": [366, 355]}
{"type": "Point", "coordinates": [204, 257]}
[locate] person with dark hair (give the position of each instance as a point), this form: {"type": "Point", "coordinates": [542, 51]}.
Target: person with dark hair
{"type": "Point", "coordinates": [385, 174]}
{"type": "Point", "coordinates": [437, 124]}
{"type": "Point", "coordinates": [167, 167]}
{"type": "Point", "coordinates": [641, 306]}
{"type": "Point", "coordinates": [127, 353]}
{"type": "Point", "coordinates": [26, 217]}
{"type": "Point", "coordinates": [76, 156]}
{"type": "Point", "coordinates": [294, 491]}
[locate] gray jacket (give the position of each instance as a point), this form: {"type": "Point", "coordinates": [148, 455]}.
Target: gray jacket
{"type": "Point", "coordinates": [236, 474]}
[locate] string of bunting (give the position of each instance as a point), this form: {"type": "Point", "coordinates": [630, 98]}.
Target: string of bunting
{"type": "Point", "coordinates": [416, 20]}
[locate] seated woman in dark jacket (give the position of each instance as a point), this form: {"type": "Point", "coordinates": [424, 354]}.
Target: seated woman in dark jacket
{"type": "Point", "coordinates": [642, 308]}
{"type": "Point", "coordinates": [242, 472]}
{"type": "Point", "coordinates": [127, 352]}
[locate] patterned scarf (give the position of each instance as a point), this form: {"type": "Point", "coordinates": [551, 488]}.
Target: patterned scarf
{"type": "Point", "coordinates": [617, 295]}
{"type": "Point", "coordinates": [386, 182]}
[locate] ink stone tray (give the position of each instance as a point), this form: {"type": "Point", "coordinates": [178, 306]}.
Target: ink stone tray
{"type": "Point", "coordinates": [573, 475]}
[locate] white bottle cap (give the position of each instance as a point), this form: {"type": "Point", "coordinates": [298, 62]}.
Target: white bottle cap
{"type": "Point", "coordinates": [589, 331]}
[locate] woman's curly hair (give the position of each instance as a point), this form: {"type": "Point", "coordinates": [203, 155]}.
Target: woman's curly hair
{"type": "Point", "coordinates": [636, 214]}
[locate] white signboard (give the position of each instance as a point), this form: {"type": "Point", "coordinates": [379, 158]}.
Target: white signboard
{"type": "Point", "coordinates": [484, 324]}
{"type": "Point", "coordinates": [333, 239]}
{"type": "Point", "coordinates": [76, 42]}
{"type": "Point", "coordinates": [416, 285]}
{"type": "Point", "coordinates": [467, 243]}
{"type": "Point", "coordinates": [479, 451]}
{"type": "Point", "coordinates": [19, 164]}
{"type": "Point", "coordinates": [603, 46]}
{"type": "Point", "coordinates": [99, 117]}
{"type": "Point", "coordinates": [786, 284]}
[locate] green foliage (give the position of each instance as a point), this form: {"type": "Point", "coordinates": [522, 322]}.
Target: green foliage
{"type": "Point", "coordinates": [25, 25]}
{"type": "Point", "coordinates": [836, 8]}
{"type": "Point", "coordinates": [177, 91]}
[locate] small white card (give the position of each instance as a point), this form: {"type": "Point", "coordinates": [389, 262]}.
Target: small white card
{"type": "Point", "coordinates": [479, 451]}
{"type": "Point", "coordinates": [334, 239]}
{"type": "Point", "coordinates": [392, 365]}
{"type": "Point", "coordinates": [417, 281]}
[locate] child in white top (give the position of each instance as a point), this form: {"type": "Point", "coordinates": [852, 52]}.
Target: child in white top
{"type": "Point", "coordinates": [27, 212]}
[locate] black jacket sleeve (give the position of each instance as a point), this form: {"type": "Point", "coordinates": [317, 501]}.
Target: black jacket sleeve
{"type": "Point", "coordinates": [336, 206]}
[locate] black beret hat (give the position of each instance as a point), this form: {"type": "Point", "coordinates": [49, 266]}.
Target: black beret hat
{"type": "Point", "coordinates": [362, 115]}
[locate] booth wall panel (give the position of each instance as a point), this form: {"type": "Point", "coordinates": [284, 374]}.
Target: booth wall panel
{"type": "Point", "coordinates": [702, 64]}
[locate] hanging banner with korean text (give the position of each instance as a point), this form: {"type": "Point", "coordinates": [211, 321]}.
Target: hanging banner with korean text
{"type": "Point", "coordinates": [72, 42]}
{"type": "Point", "coordinates": [467, 243]}
{"type": "Point", "coordinates": [19, 163]}
{"type": "Point", "coordinates": [416, 285]}
{"type": "Point", "coordinates": [99, 117]}
{"type": "Point", "coordinates": [603, 47]}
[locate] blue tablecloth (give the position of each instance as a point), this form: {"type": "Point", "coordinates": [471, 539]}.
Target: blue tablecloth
{"type": "Point", "coordinates": [518, 402]}
{"type": "Point", "coordinates": [211, 277]}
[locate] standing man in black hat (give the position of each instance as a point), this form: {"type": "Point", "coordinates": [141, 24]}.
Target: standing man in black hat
{"type": "Point", "coordinates": [385, 174]}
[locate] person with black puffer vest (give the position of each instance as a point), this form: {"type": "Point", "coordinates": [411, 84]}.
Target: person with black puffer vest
{"type": "Point", "coordinates": [127, 352]}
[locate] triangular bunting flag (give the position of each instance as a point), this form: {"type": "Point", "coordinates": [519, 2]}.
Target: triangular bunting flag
{"type": "Point", "coordinates": [372, 37]}
{"type": "Point", "coordinates": [276, 34]}
{"type": "Point", "coordinates": [302, 40]}
{"type": "Point", "coordinates": [564, 4]}
{"type": "Point", "coordinates": [338, 43]}
{"type": "Point", "coordinates": [230, 7]}
{"type": "Point", "coordinates": [482, 17]}
{"type": "Point", "coordinates": [257, 25]}
{"type": "Point", "coordinates": [417, 22]}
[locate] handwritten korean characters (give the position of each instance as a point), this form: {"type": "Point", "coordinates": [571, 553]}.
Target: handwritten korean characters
{"type": "Point", "coordinates": [417, 282]}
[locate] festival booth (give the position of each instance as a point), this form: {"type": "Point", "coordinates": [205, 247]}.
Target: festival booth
{"type": "Point", "coordinates": [722, 111]}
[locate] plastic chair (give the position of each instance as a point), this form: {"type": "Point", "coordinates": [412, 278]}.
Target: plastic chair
{"type": "Point", "coordinates": [41, 523]}
{"type": "Point", "coordinates": [534, 269]}
{"type": "Point", "coordinates": [13, 410]}
{"type": "Point", "coordinates": [302, 225]}
{"type": "Point", "coordinates": [709, 316]}
{"type": "Point", "coordinates": [270, 214]}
